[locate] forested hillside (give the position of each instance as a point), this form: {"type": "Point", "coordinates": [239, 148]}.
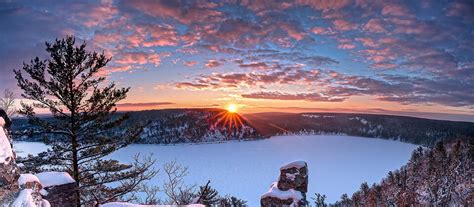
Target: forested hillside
{"type": "Point", "coordinates": [207, 125]}
{"type": "Point", "coordinates": [172, 126]}
{"type": "Point", "coordinates": [441, 176]}
{"type": "Point", "coordinates": [419, 131]}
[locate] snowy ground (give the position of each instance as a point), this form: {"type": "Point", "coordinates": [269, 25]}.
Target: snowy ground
{"type": "Point", "coordinates": [337, 164]}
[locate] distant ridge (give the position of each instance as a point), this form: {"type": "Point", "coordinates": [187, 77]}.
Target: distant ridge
{"type": "Point", "coordinates": [196, 125]}
{"type": "Point", "coordinates": [413, 130]}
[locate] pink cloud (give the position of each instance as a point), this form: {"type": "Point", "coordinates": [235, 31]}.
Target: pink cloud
{"type": "Point", "coordinates": [385, 65]}
{"type": "Point", "coordinates": [395, 10]}
{"type": "Point", "coordinates": [375, 26]}
{"type": "Point", "coordinates": [139, 58]}
{"type": "Point", "coordinates": [291, 97]}
{"type": "Point", "coordinates": [107, 38]}
{"type": "Point", "coordinates": [461, 9]}
{"type": "Point", "coordinates": [213, 63]}
{"type": "Point", "coordinates": [255, 65]}
{"type": "Point", "coordinates": [324, 4]}
{"type": "Point", "coordinates": [293, 32]}
{"type": "Point", "coordinates": [368, 42]}
{"type": "Point", "coordinates": [341, 24]}
{"type": "Point", "coordinates": [191, 85]}
{"type": "Point", "coordinates": [318, 30]}
{"type": "Point", "coordinates": [99, 15]}
{"type": "Point", "coordinates": [186, 14]}
{"type": "Point", "coordinates": [190, 63]}
{"type": "Point", "coordinates": [346, 46]}
{"type": "Point", "coordinates": [152, 35]}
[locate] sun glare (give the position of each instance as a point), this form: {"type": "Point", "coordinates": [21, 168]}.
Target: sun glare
{"type": "Point", "coordinates": [232, 108]}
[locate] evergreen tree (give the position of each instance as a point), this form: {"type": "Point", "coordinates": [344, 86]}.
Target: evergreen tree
{"type": "Point", "coordinates": [82, 105]}
{"type": "Point", "coordinates": [319, 200]}
{"type": "Point", "coordinates": [344, 202]}
{"type": "Point", "coordinates": [439, 176]}
{"type": "Point", "coordinates": [207, 195]}
{"type": "Point", "coordinates": [231, 201]}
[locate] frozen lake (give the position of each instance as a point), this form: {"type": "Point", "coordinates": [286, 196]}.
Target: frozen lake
{"type": "Point", "coordinates": [337, 164]}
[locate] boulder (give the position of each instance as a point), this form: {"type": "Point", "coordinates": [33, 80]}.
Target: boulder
{"type": "Point", "coordinates": [294, 176]}
{"type": "Point", "coordinates": [60, 188]}
{"type": "Point", "coordinates": [291, 188]}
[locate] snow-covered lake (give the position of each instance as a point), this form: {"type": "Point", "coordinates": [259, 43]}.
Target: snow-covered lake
{"type": "Point", "coordinates": [337, 164]}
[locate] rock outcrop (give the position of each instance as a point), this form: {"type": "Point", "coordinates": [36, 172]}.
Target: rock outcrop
{"type": "Point", "coordinates": [9, 171]}
{"type": "Point", "coordinates": [59, 188]}
{"type": "Point", "coordinates": [30, 192]}
{"type": "Point", "coordinates": [20, 190]}
{"type": "Point", "coordinates": [291, 188]}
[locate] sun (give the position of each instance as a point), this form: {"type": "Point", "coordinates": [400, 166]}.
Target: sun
{"type": "Point", "coordinates": [232, 108]}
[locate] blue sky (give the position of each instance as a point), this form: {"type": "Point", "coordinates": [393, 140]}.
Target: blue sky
{"type": "Point", "coordinates": [410, 56]}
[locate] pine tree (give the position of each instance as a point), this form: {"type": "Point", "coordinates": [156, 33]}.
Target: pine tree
{"type": "Point", "coordinates": [231, 201]}
{"type": "Point", "coordinates": [83, 126]}
{"type": "Point", "coordinates": [439, 176]}
{"type": "Point", "coordinates": [207, 195]}
{"type": "Point", "coordinates": [320, 200]}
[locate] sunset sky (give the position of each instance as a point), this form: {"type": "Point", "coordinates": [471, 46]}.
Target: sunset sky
{"type": "Point", "coordinates": [361, 56]}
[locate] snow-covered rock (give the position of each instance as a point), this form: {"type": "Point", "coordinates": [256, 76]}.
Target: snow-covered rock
{"type": "Point", "coordinates": [295, 164]}
{"type": "Point", "coordinates": [9, 172]}
{"type": "Point", "coordinates": [23, 190]}
{"type": "Point", "coordinates": [287, 197]}
{"type": "Point", "coordinates": [59, 188]}
{"type": "Point", "coordinates": [294, 175]}
{"type": "Point", "coordinates": [29, 198]}
{"type": "Point", "coordinates": [291, 188]}
{"type": "Point", "coordinates": [6, 152]}
{"type": "Point", "coordinates": [48, 179]}
{"type": "Point", "coordinates": [29, 181]}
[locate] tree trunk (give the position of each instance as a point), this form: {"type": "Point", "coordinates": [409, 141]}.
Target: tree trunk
{"type": "Point", "coordinates": [75, 167]}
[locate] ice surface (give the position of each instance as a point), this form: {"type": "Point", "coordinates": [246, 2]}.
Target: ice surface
{"type": "Point", "coordinates": [336, 164]}
{"type": "Point", "coordinates": [48, 179]}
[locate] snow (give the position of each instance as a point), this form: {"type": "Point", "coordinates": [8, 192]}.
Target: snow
{"type": "Point", "coordinates": [43, 192]}
{"type": "Point", "coordinates": [48, 179]}
{"type": "Point", "coordinates": [123, 204]}
{"type": "Point", "coordinates": [297, 164]}
{"type": "Point", "coordinates": [310, 116]}
{"type": "Point", "coordinates": [363, 121]}
{"type": "Point", "coordinates": [6, 153]}
{"type": "Point", "coordinates": [45, 203]}
{"type": "Point", "coordinates": [27, 178]}
{"type": "Point", "coordinates": [283, 195]}
{"type": "Point", "coordinates": [25, 199]}
{"type": "Point", "coordinates": [246, 169]}
{"type": "Point", "coordinates": [291, 176]}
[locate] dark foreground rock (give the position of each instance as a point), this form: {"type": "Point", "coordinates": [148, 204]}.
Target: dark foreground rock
{"type": "Point", "coordinates": [291, 188]}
